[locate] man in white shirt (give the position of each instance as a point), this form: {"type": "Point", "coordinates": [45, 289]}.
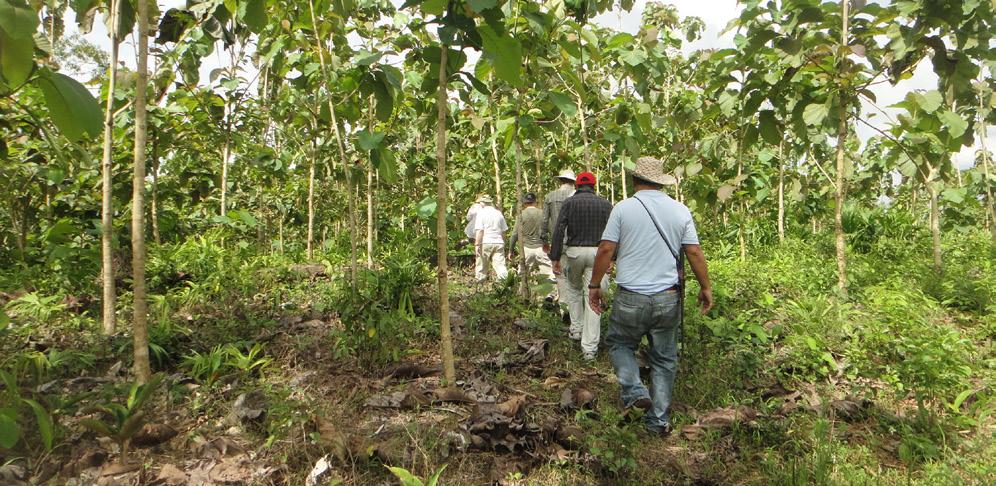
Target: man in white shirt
{"type": "Point", "coordinates": [489, 240]}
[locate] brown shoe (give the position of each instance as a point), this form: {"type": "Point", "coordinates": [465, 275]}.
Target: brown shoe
{"type": "Point", "coordinates": [643, 404]}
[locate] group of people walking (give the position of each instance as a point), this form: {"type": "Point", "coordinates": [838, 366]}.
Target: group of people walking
{"type": "Point", "coordinates": [575, 238]}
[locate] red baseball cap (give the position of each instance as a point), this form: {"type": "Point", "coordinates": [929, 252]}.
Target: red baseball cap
{"type": "Point", "coordinates": [585, 179]}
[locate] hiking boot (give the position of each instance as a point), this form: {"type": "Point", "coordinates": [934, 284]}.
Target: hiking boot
{"type": "Point", "coordinates": [659, 431]}
{"type": "Point", "coordinates": [588, 357]}
{"type": "Point", "coordinates": [644, 404]}
{"type": "Point", "coordinates": [575, 336]}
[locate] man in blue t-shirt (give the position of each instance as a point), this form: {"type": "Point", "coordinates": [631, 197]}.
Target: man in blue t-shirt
{"type": "Point", "coordinates": [646, 234]}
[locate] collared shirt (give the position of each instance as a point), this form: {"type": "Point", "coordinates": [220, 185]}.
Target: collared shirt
{"type": "Point", "coordinates": [583, 217]}
{"type": "Point", "coordinates": [551, 209]}
{"type": "Point", "coordinates": [490, 220]}
{"type": "Point", "coordinates": [471, 212]}
{"type": "Point", "coordinates": [528, 226]}
{"type": "Point", "coordinates": [643, 264]}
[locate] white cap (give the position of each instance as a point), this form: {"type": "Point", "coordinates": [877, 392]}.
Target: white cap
{"type": "Point", "coordinates": [567, 174]}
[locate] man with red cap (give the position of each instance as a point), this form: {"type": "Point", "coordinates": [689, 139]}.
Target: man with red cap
{"type": "Point", "coordinates": [582, 218]}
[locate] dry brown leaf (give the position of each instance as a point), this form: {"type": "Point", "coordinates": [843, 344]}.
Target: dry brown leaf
{"type": "Point", "coordinates": [153, 435]}
{"type": "Point", "coordinates": [116, 468]}
{"type": "Point", "coordinates": [172, 475]}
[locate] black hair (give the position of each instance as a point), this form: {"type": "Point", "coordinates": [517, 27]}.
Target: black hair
{"type": "Point", "coordinates": [642, 181]}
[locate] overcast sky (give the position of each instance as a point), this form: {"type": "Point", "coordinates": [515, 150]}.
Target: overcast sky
{"type": "Point", "coordinates": [714, 13]}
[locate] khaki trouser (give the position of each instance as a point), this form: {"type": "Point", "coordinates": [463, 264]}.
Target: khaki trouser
{"type": "Point", "coordinates": [536, 258]}
{"type": "Point", "coordinates": [575, 266]}
{"type": "Point", "coordinates": [493, 253]}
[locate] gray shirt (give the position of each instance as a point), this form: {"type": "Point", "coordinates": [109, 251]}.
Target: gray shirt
{"type": "Point", "coordinates": [643, 263]}
{"type": "Point", "coordinates": [551, 209]}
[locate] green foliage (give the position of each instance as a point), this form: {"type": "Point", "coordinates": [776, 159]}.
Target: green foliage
{"type": "Point", "coordinates": [36, 307]}
{"type": "Point", "coordinates": [383, 315]}
{"type": "Point", "coordinates": [121, 422]}
{"type": "Point", "coordinates": [409, 479]}
{"type": "Point", "coordinates": [206, 367]}
{"type": "Point", "coordinates": [611, 439]}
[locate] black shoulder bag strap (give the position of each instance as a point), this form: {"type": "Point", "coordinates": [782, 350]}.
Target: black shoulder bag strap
{"type": "Point", "coordinates": [679, 263]}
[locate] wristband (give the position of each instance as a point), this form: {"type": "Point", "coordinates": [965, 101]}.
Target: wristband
{"type": "Point", "coordinates": [594, 286]}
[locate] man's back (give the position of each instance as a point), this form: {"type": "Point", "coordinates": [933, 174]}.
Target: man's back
{"type": "Point", "coordinates": [530, 226]}
{"type": "Point", "coordinates": [551, 209]}
{"type": "Point", "coordinates": [492, 222]}
{"type": "Point", "coordinates": [582, 219]}
{"type": "Point", "coordinates": [644, 264]}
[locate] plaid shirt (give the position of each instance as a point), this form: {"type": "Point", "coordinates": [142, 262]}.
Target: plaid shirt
{"type": "Point", "coordinates": [583, 217]}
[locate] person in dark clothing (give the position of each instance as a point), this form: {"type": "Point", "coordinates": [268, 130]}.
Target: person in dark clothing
{"type": "Point", "coordinates": [582, 218]}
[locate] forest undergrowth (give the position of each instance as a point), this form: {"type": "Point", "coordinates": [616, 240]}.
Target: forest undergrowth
{"type": "Point", "coordinates": [274, 372]}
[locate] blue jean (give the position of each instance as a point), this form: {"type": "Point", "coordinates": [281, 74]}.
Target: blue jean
{"type": "Point", "coordinates": [657, 317]}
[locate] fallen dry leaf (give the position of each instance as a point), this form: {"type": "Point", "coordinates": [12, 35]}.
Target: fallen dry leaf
{"type": "Point", "coordinates": [153, 435]}
{"type": "Point", "coordinates": [172, 475]}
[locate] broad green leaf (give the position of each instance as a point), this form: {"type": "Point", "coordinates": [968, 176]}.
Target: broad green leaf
{"type": "Point", "coordinates": [768, 127]}
{"type": "Point", "coordinates": [426, 208]}
{"type": "Point", "coordinates": [815, 113]}
{"type": "Point", "coordinates": [387, 167]}
{"type": "Point", "coordinates": [368, 140]}
{"type": "Point", "coordinates": [73, 109]}
{"type": "Point", "coordinates": [503, 124]}
{"type": "Point", "coordinates": [126, 19]}
{"type": "Point", "coordinates": [255, 15]}
{"type": "Point", "coordinates": [4, 320]}
{"type": "Point", "coordinates": [406, 477]}
{"type": "Point", "coordinates": [481, 5]}
{"type": "Point", "coordinates": [564, 103]}
{"type": "Point", "coordinates": [45, 426]}
{"type": "Point", "coordinates": [931, 101]}
{"type": "Point", "coordinates": [366, 58]}
{"type": "Point", "coordinates": [955, 123]}
{"type": "Point", "coordinates": [434, 7]}
{"type": "Point", "coordinates": [10, 432]}
{"type": "Point", "coordinates": [505, 53]}
{"type": "Point", "coordinates": [634, 57]}
{"type": "Point", "coordinates": [954, 194]}
{"type": "Point", "coordinates": [16, 59]}
{"type": "Point", "coordinates": [19, 22]}
{"type": "Point", "coordinates": [727, 102]}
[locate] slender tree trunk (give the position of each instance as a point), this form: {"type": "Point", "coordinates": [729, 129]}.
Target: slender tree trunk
{"type": "Point", "coordinates": [143, 370]}
{"type": "Point", "coordinates": [280, 232]}
{"type": "Point", "coordinates": [226, 151]}
{"type": "Point", "coordinates": [340, 145]}
{"type": "Point", "coordinates": [370, 218]}
{"type": "Point", "coordinates": [990, 202]}
{"type": "Point", "coordinates": [154, 211]}
{"type": "Point", "coordinates": [838, 212]}
{"type": "Point", "coordinates": [538, 155]}
{"type": "Point", "coordinates": [370, 191]}
{"type": "Point", "coordinates": [584, 129]}
{"type": "Point", "coordinates": [935, 225]}
{"type": "Point", "coordinates": [781, 196]}
{"type": "Point", "coordinates": [107, 195]}
{"type": "Point", "coordinates": [523, 269]}
{"type": "Point", "coordinates": [311, 197]}
{"type": "Point", "coordinates": [622, 181]}
{"type": "Point", "coordinates": [446, 340]}
{"type": "Point", "coordinates": [494, 153]}
{"type": "Point", "coordinates": [612, 185]}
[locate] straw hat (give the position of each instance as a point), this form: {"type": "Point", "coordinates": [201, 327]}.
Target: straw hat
{"type": "Point", "coordinates": [651, 169]}
{"type": "Point", "coordinates": [566, 174]}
